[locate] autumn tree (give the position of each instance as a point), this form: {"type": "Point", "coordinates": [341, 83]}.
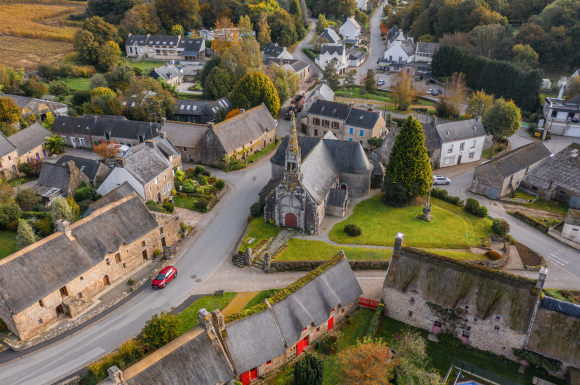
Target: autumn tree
{"type": "Point", "coordinates": [229, 37]}
{"type": "Point", "coordinates": [573, 87]}
{"type": "Point", "coordinates": [34, 87]}
{"type": "Point", "coordinates": [27, 199]}
{"type": "Point", "coordinates": [411, 354]}
{"type": "Point", "coordinates": [501, 119]}
{"type": "Point", "coordinates": [479, 103]}
{"type": "Point", "coordinates": [101, 30]}
{"type": "Point", "coordinates": [321, 24]}
{"type": "Point", "coordinates": [60, 209]}
{"type": "Point", "coordinates": [182, 12]}
{"type": "Point", "coordinates": [107, 150]}
{"type": "Point", "coordinates": [243, 57]}
{"type": "Point", "coordinates": [404, 91]}
{"type": "Point", "coordinates": [450, 103]}
{"type": "Point", "coordinates": [10, 79]}
{"type": "Point", "coordinates": [231, 113]}
{"type": "Point", "coordinates": [264, 33]}
{"type": "Point", "coordinates": [108, 56]}
{"type": "Point", "coordinates": [9, 111]}
{"type": "Point", "coordinates": [245, 27]}
{"type": "Point", "coordinates": [25, 234]}
{"type": "Point", "coordinates": [330, 74]}
{"type": "Point", "coordinates": [119, 77]}
{"type": "Point", "coordinates": [254, 89]}
{"type": "Point", "coordinates": [367, 363]}
{"type": "Point", "coordinates": [141, 20]}
{"type": "Point", "coordinates": [525, 56]}
{"type": "Point", "coordinates": [282, 27]}
{"type": "Point", "coordinates": [154, 102]}
{"type": "Point", "coordinates": [285, 81]}
{"type": "Point", "coordinates": [177, 30]}
{"type": "Point", "coordinates": [6, 192]}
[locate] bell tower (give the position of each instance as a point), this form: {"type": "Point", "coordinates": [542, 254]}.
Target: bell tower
{"type": "Point", "coordinates": [293, 158]}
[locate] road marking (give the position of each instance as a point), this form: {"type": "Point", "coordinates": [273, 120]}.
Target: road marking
{"type": "Point", "coordinates": [558, 259]}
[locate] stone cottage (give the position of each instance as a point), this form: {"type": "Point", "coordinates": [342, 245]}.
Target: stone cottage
{"type": "Point", "coordinates": [58, 179]}
{"type": "Point", "coordinates": [23, 146]}
{"type": "Point", "coordinates": [503, 174]}
{"type": "Point", "coordinates": [58, 277]}
{"type": "Point", "coordinates": [94, 169]}
{"type": "Point", "coordinates": [312, 178]}
{"type": "Point", "coordinates": [486, 308]}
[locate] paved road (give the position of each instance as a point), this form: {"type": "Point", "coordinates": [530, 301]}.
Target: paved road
{"type": "Point", "coordinates": [212, 247]}
{"type": "Point", "coordinates": [299, 54]}
{"type": "Point", "coordinates": [377, 45]}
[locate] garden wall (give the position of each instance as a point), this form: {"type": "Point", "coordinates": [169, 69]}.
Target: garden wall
{"type": "Point", "coordinates": [529, 221]}
{"type": "Point", "coordinates": [277, 266]}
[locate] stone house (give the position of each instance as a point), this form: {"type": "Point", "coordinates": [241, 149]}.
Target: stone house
{"type": "Point", "coordinates": [557, 177]}
{"type": "Point", "coordinates": [186, 138]}
{"type": "Point", "coordinates": [200, 111]}
{"type": "Point", "coordinates": [221, 349]}
{"type": "Point", "coordinates": [351, 31]}
{"type": "Point", "coordinates": [8, 158]}
{"type": "Point", "coordinates": [85, 131]}
{"type": "Point", "coordinates": [312, 178]}
{"type": "Point", "coordinates": [298, 67]}
{"type": "Point", "coordinates": [345, 122]}
{"type": "Point", "coordinates": [37, 107]}
{"type": "Point", "coordinates": [485, 308]}
{"type": "Point", "coordinates": [149, 168]}
{"type": "Point", "coordinates": [334, 54]}
{"type": "Point", "coordinates": [28, 144]}
{"type": "Point", "coordinates": [571, 226]}
{"type": "Point", "coordinates": [275, 51]}
{"type": "Point", "coordinates": [86, 257]}
{"type": "Point", "coordinates": [95, 170]}
{"type": "Point", "coordinates": [169, 73]}
{"type": "Point", "coordinates": [562, 117]}
{"type": "Point", "coordinates": [503, 174]}
{"type": "Point", "coordinates": [157, 47]}
{"type": "Point", "coordinates": [425, 51]}
{"type": "Point", "coordinates": [58, 179]}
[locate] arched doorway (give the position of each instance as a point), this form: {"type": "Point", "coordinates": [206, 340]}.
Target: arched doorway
{"type": "Point", "coordinates": [290, 220]}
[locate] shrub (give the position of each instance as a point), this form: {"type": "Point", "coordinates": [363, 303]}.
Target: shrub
{"type": "Point", "coordinates": [328, 345]}
{"type": "Point", "coordinates": [500, 148]}
{"type": "Point", "coordinates": [201, 205]}
{"type": "Point", "coordinates": [156, 252]}
{"type": "Point", "coordinates": [352, 230]}
{"type": "Point", "coordinates": [256, 209]}
{"type": "Point", "coordinates": [131, 350]}
{"type": "Point", "coordinates": [493, 255]}
{"type": "Point", "coordinates": [154, 206]}
{"type": "Point", "coordinates": [9, 213]}
{"type": "Point", "coordinates": [500, 227]}
{"type": "Point", "coordinates": [85, 193]}
{"type": "Point", "coordinates": [308, 371]}
{"type": "Point", "coordinates": [442, 194]}
{"type": "Point", "coordinates": [159, 330]}
{"type": "Point", "coordinates": [220, 184]}
{"type": "Point", "coordinates": [188, 186]}
{"type": "Point", "coordinates": [43, 226]}
{"type": "Point", "coordinates": [131, 282]}
{"type": "Point", "coordinates": [472, 206]}
{"type": "Point", "coordinates": [168, 206]}
{"type": "Point", "coordinates": [27, 198]}
{"type": "Point", "coordinates": [538, 360]}
{"type": "Point", "coordinates": [199, 170]}
{"type": "Point", "coordinates": [395, 194]}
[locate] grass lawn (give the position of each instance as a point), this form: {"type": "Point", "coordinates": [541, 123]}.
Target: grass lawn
{"type": "Point", "coordinates": [260, 297]}
{"type": "Point", "coordinates": [78, 84]}
{"type": "Point", "coordinates": [442, 355]}
{"type": "Point", "coordinates": [306, 250]}
{"type": "Point", "coordinates": [360, 93]}
{"type": "Point", "coordinates": [7, 243]}
{"type": "Point", "coordinates": [145, 65]}
{"type": "Point", "coordinates": [186, 202]}
{"type": "Point", "coordinates": [487, 152]}
{"type": "Point", "coordinates": [541, 204]}
{"type": "Point", "coordinates": [188, 316]}
{"type": "Point", "coordinates": [451, 227]}
{"type": "Point", "coordinates": [258, 232]}
{"type": "Point", "coordinates": [564, 295]}
{"type": "Point", "coordinates": [20, 180]}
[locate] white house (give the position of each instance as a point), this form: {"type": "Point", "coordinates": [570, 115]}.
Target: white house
{"type": "Point", "coordinates": [362, 4]}
{"type": "Point", "coordinates": [394, 34]}
{"type": "Point", "coordinates": [334, 54]}
{"type": "Point", "coordinates": [330, 35]}
{"type": "Point", "coordinates": [461, 142]}
{"type": "Point", "coordinates": [351, 31]}
{"type": "Point", "coordinates": [401, 51]}
{"type": "Point", "coordinates": [562, 117]}
{"type": "Point", "coordinates": [160, 47]}
{"type": "Point", "coordinates": [355, 57]}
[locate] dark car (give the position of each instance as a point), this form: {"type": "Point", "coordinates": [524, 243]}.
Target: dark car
{"type": "Point", "coordinates": [164, 277]}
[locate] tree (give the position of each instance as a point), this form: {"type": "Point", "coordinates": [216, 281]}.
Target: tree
{"type": "Point", "coordinates": [308, 371]}
{"type": "Point", "coordinates": [58, 88]}
{"type": "Point", "coordinates": [101, 30]}
{"type": "Point", "coordinates": [54, 144]}
{"type": "Point", "coordinates": [410, 348]}
{"type": "Point", "coordinates": [331, 76]}
{"type": "Point", "coordinates": [229, 37]}
{"type": "Point", "coordinates": [321, 24]}
{"type": "Point", "coordinates": [478, 104]}
{"type": "Point", "coordinates": [487, 39]}
{"type": "Point", "coordinates": [27, 199]}
{"type": "Point", "coordinates": [370, 82]}
{"type": "Point", "coordinates": [375, 143]}
{"type": "Point", "coordinates": [409, 163]}
{"type": "Point", "coordinates": [9, 111]}
{"type": "Point", "coordinates": [48, 120]}
{"type": "Point", "coordinates": [501, 119]}
{"type": "Point", "coordinates": [177, 30]}
{"type": "Point", "coordinates": [243, 57]}
{"type": "Point", "coordinates": [573, 87]}
{"type": "Point", "coordinates": [367, 363]}
{"type": "Point", "coordinates": [182, 12]}
{"type": "Point", "coordinates": [25, 234]}
{"type": "Point", "coordinates": [85, 193]}
{"type": "Point", "coordinates": [525, 56]}
{"type": "Point", "coordinates": [245, 26]}
{"type": "Point", "coordinates": [103, 105]}
{"type": "Point", "coordinates": [141, 19]}
{"type": "Point", "coordinates": [75, 208]}
{"type": "Point", "coordinates": [264, 32]}
{"type": "Point", "coordinates": [404, 92]}
{"type": "Point", "coordinates": [450, 103]}
{"type": "Point", "coordinates": [119, 77]}
{"type": "Point", "coordinates": [296, 13]}
{"type": "Point", "coordinates": [108, 56]}
{"type": "Point", "coordinates": [10, 80]}
{"type": "Point", "coordinates": [6, 192]}
{"type": "Point", "coordinates": [9, 214]}
{"type": "Point", "coordinates": [159, 330]}
{"type": "Point", "coordinates": [153, 101]}
{"type": "Point", "coordinates": [231, 113]}
{"type": "Point", "coordinates": [285, 81]}
{"type": "Point", "coordinates": [86, 46]}
{"type": "Point", "coordinates": [107, 150]}
{"type": "Point", "coordinates": [283, 30]}
{"type": "Point", "coordinates": [34, 87]}
{"type": "Point", "coordinates": [349, 79]}
{"type": "Point", "coordinates": [361, 17]}
{"type": "Point", "coordinates": [60, 209]}
{"type": "Point", "coordinates": [254, 89]}
{"type": "Point", "coordinates": [218, 83]}
{"type": "Point", "coordinates": [110, 10]}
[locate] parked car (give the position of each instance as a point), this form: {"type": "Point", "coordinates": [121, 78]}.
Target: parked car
{"type": "Point", "coordinates": [438, 179]}
{"type": "Point", "coordinates": [166, 275]}
{"type": "Point", "coordinates": [430, 91]}
{"type": "Point", "coordinates": [381, 83]}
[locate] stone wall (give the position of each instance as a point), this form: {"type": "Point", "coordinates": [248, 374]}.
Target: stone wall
{"type": "Point", "coordinates": [31, 155]}
{"type": "Point", "coordinates": [153, 190]}
{"type": "Point", "coordinates": [358, 184]}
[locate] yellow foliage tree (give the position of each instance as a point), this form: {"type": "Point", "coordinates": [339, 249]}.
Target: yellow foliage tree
{"type": "Point", "coordinates": [225, 35]}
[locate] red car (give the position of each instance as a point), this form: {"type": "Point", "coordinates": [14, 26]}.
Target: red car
{"type": "Point", "coordinates": [164, 277]}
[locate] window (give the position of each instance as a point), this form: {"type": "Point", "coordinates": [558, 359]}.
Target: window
{"type": "Point", "coordinates": [161, 230]}
{"type": "Point", "coordinates": [450, 149]}
{"type": "Point", "coordinates": [156, 180]}
{"type": "Point", "coordinates": [462, 146]}
{"type": "Point", "coordinates": [410, 314]}
{"type": "Point", "coordinates": [350, 139]}
{"type": "Point", "coordinates": [361, 133]}
{"type": "Point", "coordinates": [351, 131]}
{"type": "Point", "coordinates": [335, 125]}
{"type": "Point", "coordinates": [437, 324]}
{"type": "Point", "coordinates": [82, 278]}
{"type": "Point", "coordinates": [342, 311]}
{"type": "Point", "coordinates": [107, 261]}
{"type": "Point", "coordinates": [63, 292]}
{"type": "Point", "coordinates": [466, 307]}
{"type": "Point", "coordinates": [269, 362]}
{"type": "Point", "coordinates": [473, 143]}
{"type": "Point", "coordinates": [554, 114]}
{"type": "Point", "coordinates": [124, 265]}
{"type": "Point", "coordinates": [118, 257]}
{"type": "Point", "coordinates": [143, 243]}
{"type": "Point", "coordinates": [325, 123]}
{"type": "Point", "coordinates": [316, 121]}
{"type": "Point", "coordinates": [496, 328]}
{"type": "Point", "coordinates": [80, 295]}
{"type": "Point", "coordinates": [475, 320]}
{"type": "Point", "coordinates": [315, 132]}
{"type": "Point", "coordinates": [317, 330]}
{"type": "Point", "coordinates": [497, 318]}
{"type": "Point", "coordinates": [41, 303]}
{"type": "Point", "coordinates": [471, 155]}
{"type": "Point", "coordinates": [40, 321]}
{"type": "Point", "coordinates": [412, 300]}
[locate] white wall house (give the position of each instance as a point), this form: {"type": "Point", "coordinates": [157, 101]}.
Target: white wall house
{"type": "Point", "coordinates": [401, 51]}
{"type": "Point", "coordinates": [335, 54]}
{"type": "Point", "coordinates": [351, 31]}
{"type": "Point", "coordinates": [461, 142]}
{"type": "Point", "coordinates": [562, 117]}
{"type": "Point", "coordinates": [117, 177]}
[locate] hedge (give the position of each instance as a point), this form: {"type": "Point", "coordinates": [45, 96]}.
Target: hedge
{"type": "Point", "coordinates": [538, 360]}
{"type": "Point", "coordinates": [443, 195]}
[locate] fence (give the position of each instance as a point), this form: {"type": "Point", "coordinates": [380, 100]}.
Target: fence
{"type": "Point", "coordinates": [370, 303]}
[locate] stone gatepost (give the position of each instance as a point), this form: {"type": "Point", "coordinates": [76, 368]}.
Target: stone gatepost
{"type": "Point", "coordinates": [116, 375]}
{"type": "Point", "coordinates": [248, 256]}
{"type": "Point", "coordinates": [204, 318]}
{"type": "Point", "coordinates": [267, 260]}
{"type": "Point", "coordinates": [398, 242]}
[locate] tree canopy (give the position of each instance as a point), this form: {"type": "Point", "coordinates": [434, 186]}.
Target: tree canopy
{"type": "Point", "coordinates": [254, 89]}
{"type": "Point", "coordinates": [502, 119]}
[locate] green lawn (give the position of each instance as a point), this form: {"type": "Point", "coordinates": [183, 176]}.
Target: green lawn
{"type": "Point", "coordinates": [305, 250]}
{"type": "Point", "coordinates": [185, 202]}
{"type": "Point", "coordinates": [258, 232]}
{"type": "Point", "coordinates": [20, 180]}
{"type": "Point", "coordinates": [260, 297]}
{"type": "Point", "coordinates": [360, 93]}
{"type": "Point", "coordinates": [266, 150]}
{"type": "Point", "coordinates": [188, 316]}
{"type": "Point", "coordinates": [78, 84]}
{"type": "Point", "coordinates": [451, 227]}
{"type": "Point", "coordinates": [541, 204]}
{"type": "Point", "coordinates": [7, 243]}
{"type": "Point", "coordinates": [146, 65]}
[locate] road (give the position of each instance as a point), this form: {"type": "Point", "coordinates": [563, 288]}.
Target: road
{"type": "Point", "coordinates": [377, 45]}
{"type": "Point", "coordinates": [300, 55]}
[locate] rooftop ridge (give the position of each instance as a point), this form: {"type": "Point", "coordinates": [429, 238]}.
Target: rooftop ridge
{"type": "Point", "coordinates": [238, 116]}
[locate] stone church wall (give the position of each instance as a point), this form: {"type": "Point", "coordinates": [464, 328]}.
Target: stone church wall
{"type": "Point", "coordinates": [358, 184]}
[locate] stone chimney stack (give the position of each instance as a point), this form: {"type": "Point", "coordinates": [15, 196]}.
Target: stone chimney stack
{"type": "Point", "coordinates": [163, 134]}
{"type": "Point", "coordinates": [398, 242]}
{"type": "Point", "coordinates": [116, 375]}
{"type": "Point", "coordinates": [204, 319]}
{"type": "Point", "coordinates": [218, 320]}
{"type": "Point", "coordinates": [150, 143]}
{"type": "Point", "coordinates": [64, 226]}
{"type": "Point", "coordinates": [121, 162]}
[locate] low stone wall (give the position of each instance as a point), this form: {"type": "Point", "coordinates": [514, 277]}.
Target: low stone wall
{"type": "Point", "coordinates": [498, 264]}
{"type": "Point", "coordinates": [278, 266]}
{"type": "Point", "coordinates": [529, 221]}
{"type": "Point", "coordinates": [558, 235]}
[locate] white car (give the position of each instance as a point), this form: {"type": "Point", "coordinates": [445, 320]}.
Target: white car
{"type": "Point", "coordinates": [438, 179]}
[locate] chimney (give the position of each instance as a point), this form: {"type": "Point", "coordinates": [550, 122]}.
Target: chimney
{"type": "Point", "coordinates": [210, 125]}
{"type": "Point", "coordinates": [204, 319]}
{"type": "Point", "coordinates": [542, 278]}
{"type": "Point", "coordinates": [116, 375]}
{"type": "Point", "coordinates": [163, 119]}
{"type": "Point", "coordinates": [121, 162]}
{"type": "Point", "coordinates": [150, 143]}
{"type": "Point", "coordinates": [398, 242]}
{"type": "Point", "coordinates": [64, 226]}
{"type": "Point", "coordinates": [163, 134]}
{"type": "Point", "coordinates": [218, 320]}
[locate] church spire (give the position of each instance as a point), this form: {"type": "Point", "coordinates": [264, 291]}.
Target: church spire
{"type": "Point", "coordinates": [293, 142]}
{"type": "Point", "coordinates": [293, 157]}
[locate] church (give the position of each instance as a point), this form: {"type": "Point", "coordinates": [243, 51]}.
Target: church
{"type": "Point", "coordinates": [312, 178]}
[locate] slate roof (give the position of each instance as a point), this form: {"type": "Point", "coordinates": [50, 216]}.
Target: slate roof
{"type": "Point", "coordinates": [116, 194]}
{"type": "Point", "coordinates": [184, 134]}
{"type": "Point", "coordinates": [89, 167]}
{"type": "Point", "coordinates": [559, 306]}
{"type": "Point", "coordinates": [330, 34]}
{"type": "Point", "coordinates": [571, 105]}
{"type": "Point", "coordinates": [162, 40]}
{"type": "Point", "coordinates": [55, 176]}
{"type": "Point", "coordinates": [186, 361]}
{"type": "Point", "coordinates": [244, 128]}
{"type": "Point", "coordinates": [6, 147]}
{"type": "Point", "coordinates": [408, 46]}
{"type": "Point", "coordinates": [146, 163]}
{"type": "Point", "coordinates": [324, 92]}
{"type": "Point", "coordinates": [272, 49]}
{"type": "Point", "coordinates": [502, 166]}
{"type": "Point", "coordinates": [354, 54]}
{"type": "Point", "coordinates": [166, 72]}
{"type": "Point", "coordinates": [117, 126]}
{"type": "Point", "coordinates": [24, 276]}
{"type": "Point", "coordinates": [332, 49]}
{"type": "Point", "coordinates": [352, 21]}
{"type": "Point", "coordinates": [163, 145]}
{"type": "Point", "coordinates": [201, 107]}
{"type": "Point", "coordinates": [392, 33]}
{"type": "Point", "coordinates": [427, 48]}
{"type": "Point", "coordinates": [29, 138]}
{"type": "Point", "coordinates": [432, 141]}
{"type": "Point", "coordinates": [463, 129]}
{"type": "Point", "coordinates": [336, 197]}
{"type": "Point", "coordinates": [136, 39]}
{"type": "Point", "coordinates": [34, 104]}
{"type": "Point", "coordinates": [319, 172]}
{"type": "Point", "coordinates": [330, 109]}
{"type": "Point", "coordinates": [573, 217]}
{"type": "Point", "coordinates": [362, 118]}
{"type": "Point", "coordinates": [562, 168]}
{"type": "Point", "coordinates": [190, 47]}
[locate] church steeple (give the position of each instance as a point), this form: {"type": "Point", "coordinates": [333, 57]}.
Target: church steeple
{"type": "Point", "coordinates": [293, 157]}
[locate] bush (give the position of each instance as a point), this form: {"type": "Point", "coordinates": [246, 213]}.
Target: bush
{"type": "Point", "coordinates": [9, 213]}
{"type": "Point", "coordinates": [154, 206]}
{"type": "Point", "coordinates": [202, 180]}
{"type": "Point", "coordinates": [159, 330]}
{"type": "Point", "coordinates": [220, 184]}
{"type": "Point", "coordinates": [27, 199]}
{"type": "Point", "coordinates": [201, 205]}
{"type": "Point", "coordinates": [43, 226]}
{"type": "Point", "coordinates": [308, 371]}
{"type": "Point", "coordinates": [85, 193]}
{"type": "Point", "coordinates": [131, 282]}
{"type": "Point", "coordinates": [395, 194]}
{"type": "Point", "coordinates": [168, 206]}
{"type": "Point", "coordinates": [188, 186]}
{"type": "Point", "coordinates": [199, 170]}
{"type": "Point", "coordinates": [156, 252]}
{"type": "Point", "coordinates": [444, 109]}
{"type": "Point", "coordinates": [352, 230]}
{"type": "Point", "coordinates": [500, 227]}
{"type": "Point", "coordinates": [256, 209]}
{"type": "Point", "coordinates": [538, 360]}
{"type": "Point", "coordinates": [500, 148]}
{"type": "Point", "coordinates": [328, 345]}
{"type": "Point", "coordinates": [442, 194]}
{"type": "Point", "coordinates": [493, 255]}
{"type": "Point", "coordinates": [472, 206]}
{"type": "Point", "coordinates": [131, 350]}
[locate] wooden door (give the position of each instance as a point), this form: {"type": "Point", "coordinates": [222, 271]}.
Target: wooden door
{"type": "Point", "coordinates": [330, 323]}
{"type": "Point", "coordinates": [245, 378]}
{"type": "Point", "coordinates": [290, 220]}
{"type": "Point", "coordinates": [253, 374]}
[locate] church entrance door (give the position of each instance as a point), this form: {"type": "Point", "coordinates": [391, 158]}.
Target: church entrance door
{"type": "Point", "coordinates": [290, 220]}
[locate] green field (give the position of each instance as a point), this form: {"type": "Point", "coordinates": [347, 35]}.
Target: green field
{"type": "Point", "coordinates": [188, 316]}
{"type": "Point", "coordinates": [78, 84]}
{"type": "Point", "coordinates": [306, 250]}
{"type": "Point", "coordinates": [7, 243]}
{"type": "Point", "coordinates": [451, 227]}
{"type": "Point", "coordinates": [259, 232]}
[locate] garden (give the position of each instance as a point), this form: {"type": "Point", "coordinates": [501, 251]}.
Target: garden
{"type": "Point", "coordinates": [234, 163]}
{"type": "Point", "coordinates": [196, 189]}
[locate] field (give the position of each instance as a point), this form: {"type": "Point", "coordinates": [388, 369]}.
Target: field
{"type": "Point", "coordinates": [7, 243]}
{"type": "Point", "coordinates": [36, 32]}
